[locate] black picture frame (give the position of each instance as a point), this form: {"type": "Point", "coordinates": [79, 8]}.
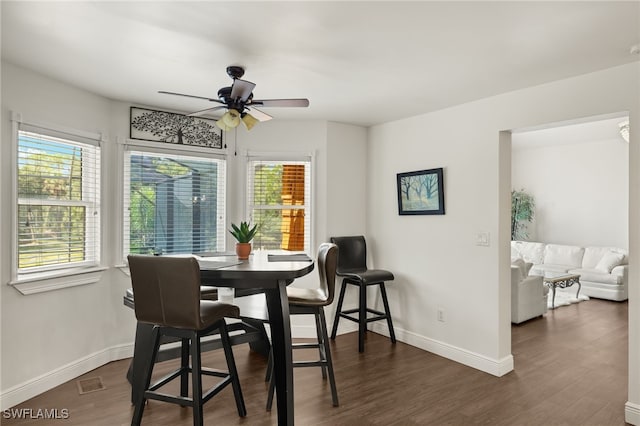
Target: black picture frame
{"type": "Point", "coordinates": [421, 192]}
{"type": "Point", "coordinates": [168, 127]}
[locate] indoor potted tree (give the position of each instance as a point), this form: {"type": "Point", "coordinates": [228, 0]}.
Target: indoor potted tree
{"type": "Point", "coordinates": [243, 235]}
{"type": "Point", "coordinates": [522, 213]}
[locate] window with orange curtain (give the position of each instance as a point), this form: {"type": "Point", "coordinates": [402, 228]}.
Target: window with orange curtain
{"type": "Point", "coordinates": [293, 195]}
{"type": "Point", "coordinates": [278, 201]}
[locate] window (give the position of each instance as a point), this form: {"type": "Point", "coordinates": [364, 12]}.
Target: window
{"type": "Point", "coordinates": [173, 203]}
{"type": "Point", "coordinates": [278, 197]}
{"type": "Point", "coordinates": [58, 192]}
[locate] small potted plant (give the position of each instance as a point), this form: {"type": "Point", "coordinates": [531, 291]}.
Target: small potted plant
{"type": "Point", "coordinates": [243, 235]}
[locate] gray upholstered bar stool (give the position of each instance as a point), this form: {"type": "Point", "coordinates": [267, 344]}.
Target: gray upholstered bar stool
{"type": "Point", "coordinates": [352, 267]}
{"type": "Point", "coordinates": [311, 301]}
{"type": "Point", "coordinates": [167, 294]}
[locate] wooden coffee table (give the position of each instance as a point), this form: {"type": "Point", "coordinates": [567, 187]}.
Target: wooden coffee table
{"type": "Point", "coordinates": [562, 280]}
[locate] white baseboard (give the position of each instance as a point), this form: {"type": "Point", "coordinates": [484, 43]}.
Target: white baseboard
{"type": "Point", "coordinates": [632, 413]}
{"type": "Point", "coordinates": [304, 327]}
{"type": "Point", "coordinates": [303, 331]}
{"type": "Point", "coordinates": [495, 367]}
{"type": "Point", "coordinates": [309, 331]}
{"type": "Point", "coordinates": [345, 327]}
{"type": "Point", "coordinates": [24, 391]}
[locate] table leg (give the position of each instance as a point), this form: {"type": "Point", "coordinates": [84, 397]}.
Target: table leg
{"type": "Point", "coordinates": [579, 288]}
{"type": "Point", "coordinates": [553, 296]}
{"type": "Point", "coordinates": [279, 321]}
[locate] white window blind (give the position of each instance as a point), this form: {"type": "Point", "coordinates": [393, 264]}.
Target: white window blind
{"type": "Point", "coordinates": [58, 190]}
{"type": "Point", "coordinates": [279, 199]}
{"type": "Point", "coordinates": [173, 203]}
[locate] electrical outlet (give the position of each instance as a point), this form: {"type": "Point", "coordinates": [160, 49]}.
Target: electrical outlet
{"type": "Point", "coordinates": [440, 315]}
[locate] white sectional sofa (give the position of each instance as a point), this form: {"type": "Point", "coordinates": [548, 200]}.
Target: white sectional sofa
{"type": "Point", "coordinates": [603, 270]}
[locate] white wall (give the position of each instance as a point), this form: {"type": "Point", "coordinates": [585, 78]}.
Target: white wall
{"type": "Point", "coordinates": [436, 261]}
{"type": "Point", "coordinates": [47, 336]}
{"type": "Point", "coordinates": [580, 190]}
{"type": "Point", "coordinates": [346, 201]}
{"type": "Point", "coordinates": [346, 180]}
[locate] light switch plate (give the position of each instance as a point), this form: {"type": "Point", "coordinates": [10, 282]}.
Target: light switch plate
{"type": "Point", "coordinates": [482, 239]}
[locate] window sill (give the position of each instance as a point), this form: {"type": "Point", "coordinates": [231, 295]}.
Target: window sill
{"type": "Point", "coordinates": [41, 283]}
{"type": "Point", "coordinates": [124, 268]}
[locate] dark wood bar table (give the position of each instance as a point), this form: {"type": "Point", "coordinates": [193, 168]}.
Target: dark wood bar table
{"type": "Point", "coordinates": [273, 278]}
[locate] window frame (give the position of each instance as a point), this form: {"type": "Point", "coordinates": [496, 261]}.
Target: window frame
{"type": "Point", "coordinates": [156, 148]}
{"type": "Point", "coordinates": [309, 157]}
{"type": "Point", "coordinates": [54, 277]}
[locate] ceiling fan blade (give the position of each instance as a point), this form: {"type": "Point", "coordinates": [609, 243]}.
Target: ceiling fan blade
{"type": "Point", "coordinates": [204, 111]}
{"type": "Point", "coordinates": [241, 89]}
{"type": "Point", "coordinates": [259, 115]}
{"type": "Point", "coordinates": [190, 96]}
{"type": "Point", "coordinates": [281, 102]}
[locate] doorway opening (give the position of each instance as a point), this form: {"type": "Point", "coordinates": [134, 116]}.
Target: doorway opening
{"type": "Point", "coordinates": [577, 173]}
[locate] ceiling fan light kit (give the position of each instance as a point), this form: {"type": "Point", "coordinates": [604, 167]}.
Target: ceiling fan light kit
{"type": "Point", "coordinates": [237, 99]}
{"type": "Point", "coordinates": [231, 118]}
{"type": "Point", "coordinates": [249, 121]}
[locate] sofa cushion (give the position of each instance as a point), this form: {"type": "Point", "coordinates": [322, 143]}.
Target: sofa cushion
{"type": "Point", "coordinates": [529, 251]}
{"type": "Point", "coordinates": [609, 261]}
{"type": "Point", "coordinates": [520, 264]}
{"type": "Point", "coordinates": [595, 275]}
{"type": "Point", "coordinates": [593, 255]}
{"type": "Point", "coordinates": [563, 255]}
{"type": "Point", "coordinates": [527, 268]}
{"type": "Point", "coordinates": [549, 267]}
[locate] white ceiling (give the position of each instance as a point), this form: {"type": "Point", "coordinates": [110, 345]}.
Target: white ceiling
{"type": "Point", "coordinates": [363, 62]}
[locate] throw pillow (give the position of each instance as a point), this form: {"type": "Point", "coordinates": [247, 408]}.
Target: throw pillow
{"type": "Point", "coordinates": [527, 268]}
{"type": "Point", "coordinates": [609, 261]}
{"type": "Point", "coordinates": [520, 264]}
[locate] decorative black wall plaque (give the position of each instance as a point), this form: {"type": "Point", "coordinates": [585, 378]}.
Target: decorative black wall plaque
{"type": "Point", "coordinates": [167, 127]}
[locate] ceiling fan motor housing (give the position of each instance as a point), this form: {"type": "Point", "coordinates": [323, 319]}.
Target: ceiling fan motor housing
{"type": "Point", "coordinates": [234, 71]}
{"type": "Point", "coordinates": [224, 94]}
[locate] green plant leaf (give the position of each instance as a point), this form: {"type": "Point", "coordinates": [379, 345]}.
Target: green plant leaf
{"type": "Point", "coordinates": [522, 213]}
{"type": "Point", "coordinates": [243, 233]}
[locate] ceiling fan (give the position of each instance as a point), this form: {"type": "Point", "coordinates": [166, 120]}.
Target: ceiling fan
{"type": "Point", "coordinates": [238, 100]}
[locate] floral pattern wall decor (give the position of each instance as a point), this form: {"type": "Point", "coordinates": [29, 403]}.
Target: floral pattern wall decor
{"type": "Point", "coordinates": [168, 127]}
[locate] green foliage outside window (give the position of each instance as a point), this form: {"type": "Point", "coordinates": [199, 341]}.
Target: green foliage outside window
{"type": "Point", "coordinates": [51, 230]}
{"type": "Point", "coordinates": [172, 204]}
{"type": "Point", "coordinates": [268, 192]}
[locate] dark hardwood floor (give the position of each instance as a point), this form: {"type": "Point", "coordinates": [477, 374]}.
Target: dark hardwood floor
{"type": "Point", "coordinates": [570, 369]}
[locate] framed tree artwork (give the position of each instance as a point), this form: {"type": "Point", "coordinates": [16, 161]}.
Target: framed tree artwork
{"type": "Point", "coordinates": [168, 127]}
{"type": "Point", "coordinates": [421, 192]}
